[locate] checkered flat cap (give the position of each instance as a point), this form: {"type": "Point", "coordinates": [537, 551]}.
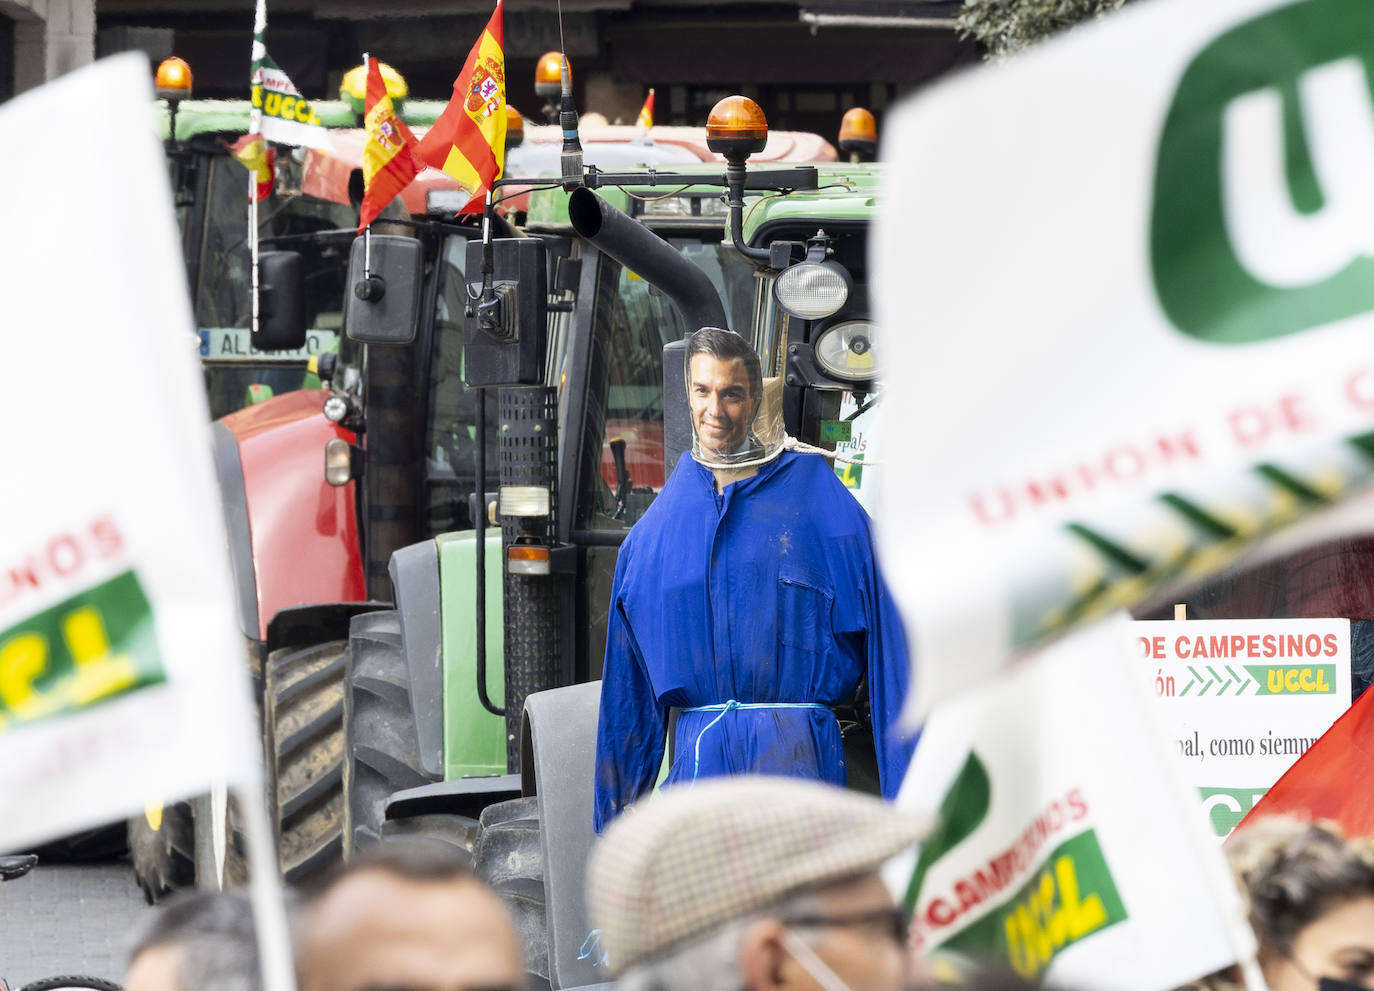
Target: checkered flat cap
{"type": "Point", "coordinates": [691, 859]}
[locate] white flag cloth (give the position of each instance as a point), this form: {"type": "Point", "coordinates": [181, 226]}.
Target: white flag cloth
{"type": "Point", "coordinates": [1066, 845]}
{"type": "Point", "coordinates": [122, 675]}
{"type": "Point", "coordinates": [1125, 286]}
{"type": "Point", "coordinates": [279, 112]}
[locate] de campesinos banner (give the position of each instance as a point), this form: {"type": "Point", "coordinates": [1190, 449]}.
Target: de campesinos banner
{"type": "Point", "coordinates": [1125, 282]}
{"type": "Point", "coordinates": [1242, 699]}
{"type": "Point", "coordinates": [122, 680]}
{"type": "Point", "coordinates": [1066, 845]}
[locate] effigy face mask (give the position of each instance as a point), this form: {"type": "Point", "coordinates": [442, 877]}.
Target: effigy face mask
{"type": "Point", "coordinates": [736, 416]}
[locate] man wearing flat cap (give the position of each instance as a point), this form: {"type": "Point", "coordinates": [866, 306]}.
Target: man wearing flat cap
{"type": "Point", "coordinates": [752, 884]}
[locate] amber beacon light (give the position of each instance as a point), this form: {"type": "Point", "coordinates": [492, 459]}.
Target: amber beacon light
{"type": "Point", "coordinates": [353, 87]}
{"type": "Point", "coordinates": [173, 80]}
{"type": "Point", "coordinates": [547, 77]}
{"type": "Point", "coordinates": [736, 128]}
{"type": "Point", "coordinates": [858, 134]}
{"type": "Point", "coordinates": [515, 127]}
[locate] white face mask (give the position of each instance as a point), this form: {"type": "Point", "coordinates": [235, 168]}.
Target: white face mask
{"type": "Point", "coordinates": [818, 969]}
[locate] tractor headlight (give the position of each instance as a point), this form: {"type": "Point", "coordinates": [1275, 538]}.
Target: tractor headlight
{"type": "Point", "coordinates": [446, 201]}
{"type": "Point", "coordinates": [524, 500]}
{"type": "Point", "coordinates": [811, 290]}
{"type": "Point", "coordinates": [845, 350]}
{"type": "Point", "coordinates": [337, 407]}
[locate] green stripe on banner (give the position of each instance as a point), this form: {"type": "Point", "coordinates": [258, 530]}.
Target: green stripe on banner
{"type": "Point", "coordinates": [1071, 897]}
{"type": "Point", "coordinates": [95, 646]}
{"type": "Point", "coordinates": [1294, 679]}
{"type": "Point", "coordinates": [963, 810]}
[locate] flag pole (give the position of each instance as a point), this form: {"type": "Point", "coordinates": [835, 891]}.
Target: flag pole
{"type": "Point", "coordinates": [253, 238]}
{"type": "Point", "coordinates": [265, 895]}
{"type": "Point", "coordinates": [367, 231]}
{"type": "Point", "coordinates": [255, 127]}
{"type": "Point", "coordinates": [1225, 889]}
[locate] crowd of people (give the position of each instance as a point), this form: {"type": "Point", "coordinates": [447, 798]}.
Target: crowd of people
{"type": "Point", "coordinates": [737, 884]}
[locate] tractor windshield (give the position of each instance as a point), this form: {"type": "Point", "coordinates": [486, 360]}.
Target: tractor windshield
{"type": "Point", "coordinates": [320, 230]}
{"type": "Point", "coordinates": [450, 430]}
{"type": "Point", "coordinates": [629, 336]}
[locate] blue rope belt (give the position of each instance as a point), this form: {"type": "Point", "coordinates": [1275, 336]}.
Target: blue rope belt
{"type": "Point", "coordinates": [730, 706]}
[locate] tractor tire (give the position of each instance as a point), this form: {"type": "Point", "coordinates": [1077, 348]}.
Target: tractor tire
{"type": "Point", "coordinates": [164, 858]}
{"type": "Point", "coordinates": [381, 747]}
{"type": "Point", "coordinates": [303, 729]}
{"type": "Point", "coordinates": [510, 858]}
{"type": "Point", "coordinates": [457, 831]}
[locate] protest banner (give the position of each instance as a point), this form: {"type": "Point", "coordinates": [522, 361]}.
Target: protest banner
{"type": "Point", "coordinates": [122, 676]}
{"type": "Point", "coordinates": [1059, 813]}
{"type": "Point", "coordinates": [1139, 288]}
{"type": "Point", "coordinates": [1243, 699]}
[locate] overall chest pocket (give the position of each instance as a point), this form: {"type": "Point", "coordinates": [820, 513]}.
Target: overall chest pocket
{"type": "Point", "coordinates": [804, 614]}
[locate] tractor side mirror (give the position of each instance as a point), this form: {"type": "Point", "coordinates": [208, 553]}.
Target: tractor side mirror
{"type": "Point", "coordinates": [384, 298]}
{"type": "Point", "coordinates": [281, 301]}
{"type": "Point", "coordinates": [505, 334]}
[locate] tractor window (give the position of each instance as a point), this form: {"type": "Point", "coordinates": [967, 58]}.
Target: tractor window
{"type": "Point", "coordinates": [631, 325]}
{"type": "Point", "coordinates": [731, 274]}
{"type": "Point", "coordinates": [321, 231]}
{"type": "Point", "coordinates": [628, 338]}
{"type": "Point", "coordinates": [451, 430]}
{"type": "Point", "coordinates": [222, 295]}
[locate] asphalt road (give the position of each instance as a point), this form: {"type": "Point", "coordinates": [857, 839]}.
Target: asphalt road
{"type": "Point", "coordinates": [69, 919]}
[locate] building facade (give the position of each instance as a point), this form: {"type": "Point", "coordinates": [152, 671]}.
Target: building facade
{"type": "Point", "coordinates": [42, 39]}
{"type": "Point", "coordinates": [805, 63]}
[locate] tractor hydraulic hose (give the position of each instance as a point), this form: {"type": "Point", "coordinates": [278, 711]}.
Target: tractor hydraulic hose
{"type": "Point", "coordinates": [480, 552]}
{"type": "Point", "coordinates": [648, 256]}
{"type": "Point", "coordinates": [734, 178]}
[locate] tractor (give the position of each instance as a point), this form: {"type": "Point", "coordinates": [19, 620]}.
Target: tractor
{"type": "Point", "coordinates": [470, 704]}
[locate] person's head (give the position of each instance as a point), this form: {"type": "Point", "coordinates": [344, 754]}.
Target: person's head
{"type": "Point", "coordinates": [766, 884]}
{"type": "Point", "coordinates": [724, 388]}
{"type": "Point", "coordinates": [1311, 896]}
{"type": "Point", "coordinates": [406, 914]}
{"type": "Point", "coordinates": [201, 941]}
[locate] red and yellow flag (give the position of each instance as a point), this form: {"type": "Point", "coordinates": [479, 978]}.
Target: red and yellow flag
{"type": "Point", "coordinates": [253, 153]}
{"type": "Point", "coordinates": [388, 157]}
{"type": "Point", "coordinates": [646, 112]}
{"type": "Point", "coordinates": [468, 141]}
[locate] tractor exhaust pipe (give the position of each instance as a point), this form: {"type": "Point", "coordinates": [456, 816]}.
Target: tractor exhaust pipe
{"type": "Point", "coordinates": [648, 256]}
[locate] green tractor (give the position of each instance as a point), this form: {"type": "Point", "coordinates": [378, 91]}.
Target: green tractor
{"type": "Point", "coordinates": [470, 706]}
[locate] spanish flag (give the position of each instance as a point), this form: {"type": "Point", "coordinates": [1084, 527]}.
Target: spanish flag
{"type": "Point", "coordinates": [388, 158]}
{"type": "Point", "coordinates": [252, 152]}
{"type": "Point", "coordinates": [468, 141]}
{"type": "Point", "coordinates": [646, 112]}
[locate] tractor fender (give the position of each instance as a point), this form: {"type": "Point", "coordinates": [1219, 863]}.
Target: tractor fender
{"type": "Point", "coordinates": [229, 473]}
{"type": "Point", "coordinates": [302, 626]}
{"type": "Point", "coordinates": [415, 577]}
{"type": "Point", "coordinates": [557, 761]}
{"type": "Point", "coordinates": [293, 536]}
